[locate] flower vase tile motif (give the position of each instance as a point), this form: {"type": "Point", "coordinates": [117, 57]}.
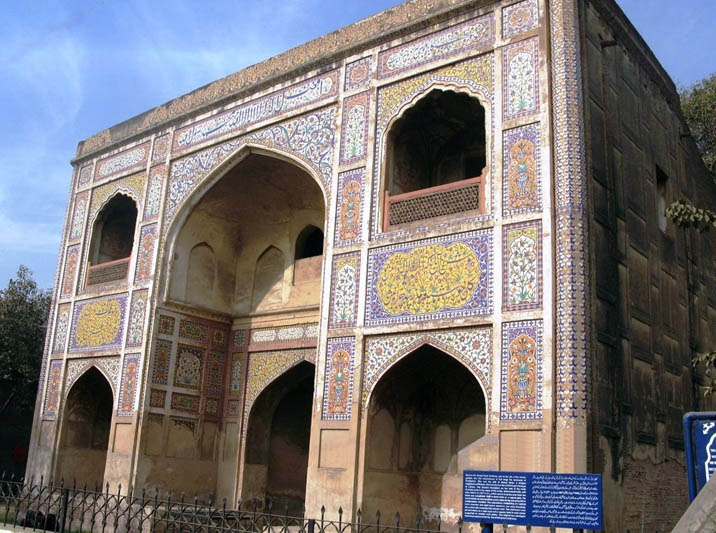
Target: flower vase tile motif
{"type": "Point", "coordinates": [472, 34]}
{"type": "Point", "coordinates": [162, 357]}
{"type": "Point", "coordinates": [433, 279]}
{"type": "Point", "coordinates": [349, 213]}
{"type": "Point", "coordinates": [521, 394]}
{"type": "Point", "coordinates": [72, 261]}
{"type": "Point", "coordinates": [520, 79]}
{"type": "Point", "coordinates": [358, 74]}
{"type": "Point", "coordinates": [145, 255]}
{"type": "Point", "coordinates": [519, 18]}
{"type": "Point", "coordinates": [345, 277]}
{"type": "Point", "coordinates": [97, 324]}
{"type": "Point", "coordinates": [522, 266]}
{"type": "Point", "coordinates": [354, 135]}
{"type": "Point", "coordinates": [85, 176]}
{"type": "Point", "coordinates": [338, 383]}
{"type": "Point", "coordinates": [521, 188]}
{"type": "Point", "coordinates": [215, 373]}
{"type": "Point", "coordinates": [137, 312]}
{"type": "Point", "coordinates": [160, 148]}
{"type": "Point", "coordinates": [194, 331]}
{"type": "Point", "coordinates": [129, 385]}
{"type": "Point", "coordinates": [166, 324]}
{"type": "Point", "coordinates": [52, 392]}
{"type": "Point", "coordinates": [157, 398]}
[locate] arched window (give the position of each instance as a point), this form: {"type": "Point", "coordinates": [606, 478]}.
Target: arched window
{"type": "Point", "coordinates": [309, 243]}
{"type": "Point", "coordinates": [112, 241]}
{"type": "Point", "coordinates": [436, 159]}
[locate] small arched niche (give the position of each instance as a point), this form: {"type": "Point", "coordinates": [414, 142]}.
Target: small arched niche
{"type": "Point", "coordinates": [268, 279]}
{"type": "Point", "coordinates": [201, 274]}
{"type": "Point", "coordinates": [112, 240]}
{"type": "Point", "coordinates": [436, 159]}
{"type": "Point", "coordinates": [86, 425]}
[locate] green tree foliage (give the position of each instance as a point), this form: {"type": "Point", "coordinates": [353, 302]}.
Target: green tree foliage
{"type": "Point", "coordinates": [698, 104]}
{"type": "Point", "coordinates": [23, 321]}
{"type": "Point", "coordinates": [685, 215]}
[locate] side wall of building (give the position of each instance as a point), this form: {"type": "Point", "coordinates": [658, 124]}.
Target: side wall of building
{"type": "Point", "coordinates": [654, 289]}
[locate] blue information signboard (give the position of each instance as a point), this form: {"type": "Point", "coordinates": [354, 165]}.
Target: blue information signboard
{"type": "Point", "coordinates": [533, 498]}
{"type": "Point", "coordinates": [700, 440]}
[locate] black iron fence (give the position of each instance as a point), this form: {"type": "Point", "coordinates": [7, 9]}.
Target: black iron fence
{"type": "Point", "coordinates": [55, 507]}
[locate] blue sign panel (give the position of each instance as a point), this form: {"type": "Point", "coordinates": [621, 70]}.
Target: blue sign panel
{"type": "Point", "coordinates": [533, 498]}
{"type": "Point", "coordinates": [700, 436]}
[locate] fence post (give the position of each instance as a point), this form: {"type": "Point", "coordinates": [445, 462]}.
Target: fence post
{"type": "Point", "coordinates": [486, 528]}
{"type": "Point", "coordinates": [311, 525]}
{"type": "Point", "coordinates": [63, 509]}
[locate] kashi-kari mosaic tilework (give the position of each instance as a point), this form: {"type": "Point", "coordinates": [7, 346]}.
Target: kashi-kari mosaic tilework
{"type": "Point", "coordinates": [137, 312]}
{"type": "Point", "coordinates": [309, 137]}
{"type": "Point", "coordinates": [521, 187]}
{"type": "Point", "coordinates": [72, 260]}
{"type": "Point", "coordinates": [358, 73]}
{"type": "Point", "coordinates": [470, 35]}
{"type": "Point", "coordinates": [52, 392]}
{"type": "Point", "coordinates": [155, 187]}
{"type": "Point", "coordinates": [161, 145]}
{"type": "Point", "coordinates": [521, 394]}
{"type": "Point", "coordinates": [61, 329]}
{"type": "Point", "coordinates": [78, 215]}
{"type": "Point", "coordinates": [314, 90]}
{"type": "Point", "coordinates": [193, 331]}
{"type": "Point", "coordinates": [145, 254]}
{"type": "Point", "coordinates": [233, 408]}
{"type": "Point", "coordinates": [188, 369]}
{"type": "Point", "coordinates": [166, 324]}
{"type": "Point", "coordinates": [124, 161]}
{"type": "Point", "coordinates": [476, 76]}
{"type": "Point", "coordinates": [433, 279]}
{"type": "Point", "coordinates": [470, 346]}
{"type": "Point", "coordinates": [572, 346]}
{"type": "Point", "coordinates": [235, 383]}
{"type": "Point", "coordinates": [129, 385]}
{"type": "Point", "coordinates": [162, 356]}
{"type": "Point", "coordinates": [522, 266]}
{"type": "Point", "coordinates": [240, 338]}
{"type": "Point", "coordinates": [345, 277]}
{"type": "Point", "coordinates": [185, 402]}
{"type": "Point", "coordinates": [109, 367]}
{"type": "Point", "coordinates": [215, 373]}
{"type": "Point", "coordinates": [520, 79]}
{"type": "Point", "coordinates": [85, 175]}
{"type": "Point", "coordinates": [97, 324]}
{"type": "Point", "coordinates": [157, 398]}
{"type": "Point", "coordinates": [349, 208]}
{"type": "Point", "coordinates": [296, 335]}
{"type": "Point", "coordinates": [519, 18]}
{"type": "Point", "coordinates": [186, 423]}
{"type": "Point", "coordinates": [264, 367]}
{"type": "Point", "coordinates": [132, 186]}
{"type": "Point", "coordinates": [338, 384]}
{"type": "Point", "coordinates": [354, 129]}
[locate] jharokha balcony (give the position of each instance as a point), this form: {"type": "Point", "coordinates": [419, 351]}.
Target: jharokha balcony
{"type": "Point", "coordinates": [462, 196]}
{"type": "Point", "coordinates": [107, 272]}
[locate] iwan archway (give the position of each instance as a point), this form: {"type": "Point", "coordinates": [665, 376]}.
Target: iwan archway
{"type": "Point", "coordinates": [425, 417]}
{"type": "Point", "coordinates": [244, 252]}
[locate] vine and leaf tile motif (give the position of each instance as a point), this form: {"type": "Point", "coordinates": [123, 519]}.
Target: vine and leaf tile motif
{"type": "Point", "coordinates": [129, 385]}
{"type": "Point", "coordinates": [349, 209]}
{"type": "Point", "coordinates": [519, 18]}
{"type": "Point", "coordinates": [188, 371]}
{"type": "Point", "coordinates": [522, 266]}
{"type": "Point", "coordinates": [354, 134]}
{"type": "Point", "coordinates": [520, 79]}
{"type": "Point", "coordinates": [137, 312]}
{"type": "Point", "coordinates": [162, 357]}
{"type": "Point", "coordinates": [344, 291]}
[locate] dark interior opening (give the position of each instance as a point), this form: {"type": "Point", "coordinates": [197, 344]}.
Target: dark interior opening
{"type": "Point", "coordinates": [113, 234]}
{"type": "Point", "coordinates": [309, 242]}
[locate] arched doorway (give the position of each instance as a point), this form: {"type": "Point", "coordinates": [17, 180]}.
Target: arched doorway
{"type": "Point", "coordinates": [85, 430]}
{"type": "Point", "coordinates": [424, 415]}
{"type": "Point", "coordinates": [278, 433]}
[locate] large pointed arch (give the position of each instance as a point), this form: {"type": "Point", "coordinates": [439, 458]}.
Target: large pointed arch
{"type": "Point", "coordinates": [205, 170]}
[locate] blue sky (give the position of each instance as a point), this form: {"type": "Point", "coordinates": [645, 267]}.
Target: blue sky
{"type": "Point", "coordinates": [71, 69]}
